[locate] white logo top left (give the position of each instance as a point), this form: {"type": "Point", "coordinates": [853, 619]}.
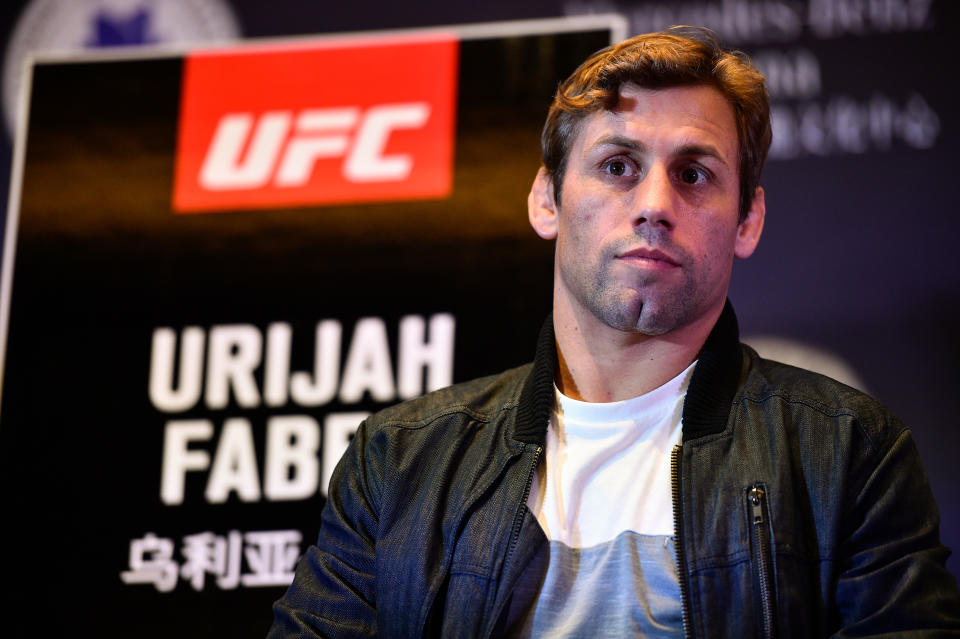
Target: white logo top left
{"type": "Point", "coordinates": [70, 26]}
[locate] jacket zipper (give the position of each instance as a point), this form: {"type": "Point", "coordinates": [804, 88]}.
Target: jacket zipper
{"type": "Point", "coordinates": [515, 534]}
{"type": "Point", "coordinates": [518, 520]}
{"type": "Point", "coordinates": [762, 558]}
{"type": "Point", "coordinates": [678, 536]}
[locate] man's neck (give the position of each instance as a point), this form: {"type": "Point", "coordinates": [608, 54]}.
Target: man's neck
{"type": "Point", "coordinates": [599, 364]}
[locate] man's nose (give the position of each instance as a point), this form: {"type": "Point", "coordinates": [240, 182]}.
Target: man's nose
{"type": "Point", "coordinates": [653, 200]}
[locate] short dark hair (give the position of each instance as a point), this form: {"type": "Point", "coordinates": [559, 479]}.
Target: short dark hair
{"type": "Point", "coordinates": [678, 56]}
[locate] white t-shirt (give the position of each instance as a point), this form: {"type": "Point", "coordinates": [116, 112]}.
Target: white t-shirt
{"type": "Point", "coordinates": [602, 495]}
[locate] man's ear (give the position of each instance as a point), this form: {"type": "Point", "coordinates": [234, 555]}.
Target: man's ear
{"type": "Point", "coordinates": [749, 230]}
{"type": "Point", "coordinates": [541, 206]}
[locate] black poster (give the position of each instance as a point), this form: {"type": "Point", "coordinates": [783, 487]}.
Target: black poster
{"type": "Point", "coordinates": [178, 384]}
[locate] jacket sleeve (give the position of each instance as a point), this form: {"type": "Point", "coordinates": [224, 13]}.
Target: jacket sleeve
{"type": "Point", "coordinates": [893, 578]}
{"type": "Point", "coordinates": [332, 594]}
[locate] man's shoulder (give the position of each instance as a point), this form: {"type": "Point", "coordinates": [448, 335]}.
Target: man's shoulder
{"type": "Point", "coordinates": [773, 381]}
{"type": "Point", "coordinates": [481, 399]}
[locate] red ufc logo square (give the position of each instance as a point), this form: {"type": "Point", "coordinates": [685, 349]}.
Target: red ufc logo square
{"type": "Point", "coordinates": [362, 121]}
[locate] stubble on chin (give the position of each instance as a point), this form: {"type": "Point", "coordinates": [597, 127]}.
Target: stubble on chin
{"type": "Point", "coordinates": [632, 310]}
{"type": "Point", "coordinates": [647, 305]}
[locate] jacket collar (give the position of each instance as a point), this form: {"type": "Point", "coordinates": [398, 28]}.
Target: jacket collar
{"type": "Point", "coordinates": [705, 408]}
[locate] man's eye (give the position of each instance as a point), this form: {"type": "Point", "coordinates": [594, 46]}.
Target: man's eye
{"type": "Point", "coordinates": [691, 175]}
{"type": "Point", "coordinates": [618, 167]}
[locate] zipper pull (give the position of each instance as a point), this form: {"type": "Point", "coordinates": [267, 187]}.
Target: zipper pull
{"type": "Point", "coordinates": [756, 501]}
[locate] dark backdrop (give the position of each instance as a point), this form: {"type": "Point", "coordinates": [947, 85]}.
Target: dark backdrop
{"type": "Point", "coordinates": [858, 257]}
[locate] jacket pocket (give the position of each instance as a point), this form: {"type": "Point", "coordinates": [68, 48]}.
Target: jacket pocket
{"type": "Point", "coordinates": [761, 557]}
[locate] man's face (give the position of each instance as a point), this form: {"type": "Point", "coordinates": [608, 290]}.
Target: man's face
{"type": "Point", "coordinates": [647, 226]}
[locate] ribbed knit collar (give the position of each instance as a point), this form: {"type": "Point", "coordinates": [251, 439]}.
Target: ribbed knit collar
{"type": "Point", "coordinates": [705, 408]}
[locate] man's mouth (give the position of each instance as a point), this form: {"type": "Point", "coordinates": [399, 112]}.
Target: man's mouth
{"type": "Point", "coordinates": [648, 257]}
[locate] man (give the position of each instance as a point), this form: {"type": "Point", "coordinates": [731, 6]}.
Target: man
{"type": "Point", "coordinates": [647, 474]}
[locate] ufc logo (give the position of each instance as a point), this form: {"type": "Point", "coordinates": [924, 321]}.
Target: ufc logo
{"type": "Point", "coordinates": [249, 153]}
{"type": "Point", "coordinates": [372, 121]}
